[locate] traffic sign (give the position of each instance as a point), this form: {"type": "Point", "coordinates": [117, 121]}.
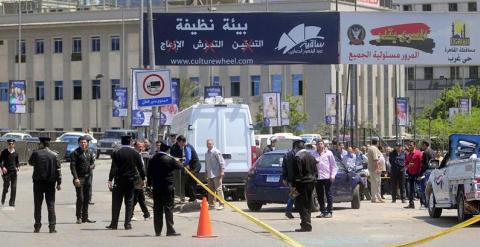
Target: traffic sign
{"type": "Point", "coordinates": [154, 87]}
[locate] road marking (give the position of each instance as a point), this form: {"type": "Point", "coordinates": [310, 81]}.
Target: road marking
{"type": "Point", "coordinates": [459, 226]}
{"type": "Point", "coordinates": [265, 226]}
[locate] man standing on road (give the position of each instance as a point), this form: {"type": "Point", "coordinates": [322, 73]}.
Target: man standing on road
{"type": "Point", "coordinates": [82, 163]}
{"type": "Point", "coordinates": [375, 170]}
{"type": "Point", "coordinates": [139, 196]}
{"type": "Point", "coordinates": [182, 149]}
{"type": "Point", "coordinates": [215, 171]}
{"type": "Point", "coordinates": [413, 162]}
{"type": "Point", "coordinates": [327, 170]}
{"type": "Point", "coordinates": [160, 175]}
{"type": "Point", "coordinates": [9, 166]}
{"type": "Point", "coordinates": [46, 172]}
{"type": "Point", "coordinates": [397, 168]}
{"type": "Point", "coordinates": [126, 169]}
{"type": "Point", "coordinates": [288, 176]}
{"type": "Point", "coordinates": [427, 155]}
{"type": "Point", "coordinates": [305, 174]}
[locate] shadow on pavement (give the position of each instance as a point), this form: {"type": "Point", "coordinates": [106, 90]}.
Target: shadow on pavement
{"type": "Point", "coordinates": [31, 232]}
{"type": "Point", "coordinates": [444, 222]}
{"type": "Point", "coordinates": [139, 236]}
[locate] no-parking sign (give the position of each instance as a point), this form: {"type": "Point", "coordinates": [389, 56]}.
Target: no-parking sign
{"type": "Point", "coordinates": [154, 87]}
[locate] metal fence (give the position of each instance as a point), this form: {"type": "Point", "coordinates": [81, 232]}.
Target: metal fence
{"type": "Point", "coordinates": [25, 149]}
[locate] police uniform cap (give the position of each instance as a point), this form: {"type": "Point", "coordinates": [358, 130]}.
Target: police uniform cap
{"type": "Point", "coordinates": [164, 146]}
{"type": "Point", "coordinates": [11, 140]}
{"type": "Point", "coordinates": [126, 138]}
{"type": "Point", "coordinates": [298, 142]}
{"type": "Point", "coordinates": [44, 139]}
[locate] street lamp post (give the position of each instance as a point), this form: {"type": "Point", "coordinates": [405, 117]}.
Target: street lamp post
{"type": "Point", "coordinates": [98, 77]}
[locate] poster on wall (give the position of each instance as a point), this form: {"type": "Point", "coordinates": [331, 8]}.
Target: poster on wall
{"type": "Point", "coordinates": [167, 112]}
{"type": "Point", "coordinates": [17, 99]}
{"type": "Point", "coordinates": [330, 108]}
{"type": "Point", "coordinates": [271, 109]}
{"type": "Point", "coordinates": [409, 38]}
{"type": "Point", "coordinates": [120, 102]}
{"type": "Point", "coordinates": [465, 106]}
{"type": "Point", "coordinates": [285, 113]}
{"type": "Point", "coordinates": [402, 111]}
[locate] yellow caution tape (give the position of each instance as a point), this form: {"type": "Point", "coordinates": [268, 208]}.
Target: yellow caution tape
{"type": "Point", "coordinates": [466, 223]}
{"type": "Point", "coordinates": [273, 231]}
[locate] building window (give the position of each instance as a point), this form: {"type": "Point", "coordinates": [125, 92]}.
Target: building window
{"type": "Point", "coordinates": [40, 90]}
{"type": "Point", "coordinates": [77, 90]}
{"type": "Point", "coordinates": [215, 80]}
{"type": "Point", "coordinates": [3, 91]}
{"type": "Point", "coordinates": [196, 81]}
{"type": "Point", "coordinates": [472, 6]}
{"type": "Point", "coordinates": [255, 85]}
{"type": "Point", "coordinates": [77, 45]}
{"type": "Point", "coordinates": [297, 81]}
{"type": "Point", "coordinates": [452, 7]}
{"type": "Point", "coordinates": [39, 46]}
{"type": "Point", "coordinates": [277, 83]}
{"type": "Point", "coordinates": [426, 7]}
{"type": "Point", "coordinates": [235, 86]}
{"type": "Point", "coordinates": [454, 72]}
{"type": "Point", "coordinates": [95, 89]}
{"type": "Point", "coordinates": [115, 43]}
{"type": "Point", "coordinates": [23, 48]}
{"type": "Point", "coordinates": [95, 44]}
{"type": "Point", "coordinates": [473, 74]}
{"type": "Point", "coordinates": [57, 45]}
{"type": "Point", "coordinates": [58, 90]}
{"type": "Point", "coordinates": [410, 73]}
{"type": "Point", "coordinates": [115, 84]}
{"type": "Point", "coordinates": [428, 73]}
{"type": "Point", "coordinates": [407, 7]}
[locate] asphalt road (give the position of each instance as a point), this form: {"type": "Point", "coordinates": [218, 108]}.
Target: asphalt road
{"type": "Point", "coordinates": [371, 225]}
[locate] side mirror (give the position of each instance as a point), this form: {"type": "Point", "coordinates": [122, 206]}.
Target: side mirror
{"type": "Point", "coordinates": [433, 164]}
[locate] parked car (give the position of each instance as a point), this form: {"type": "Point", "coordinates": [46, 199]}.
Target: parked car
{"type": "Point", "coordinates": [112, 139]}
{"type": "Point", "coordinates": [15, 136]}
{"type": "Point", "coordinates": [309, 138]}
{"type": "Point", "coordinates": [77, 134]}
{"type": "Point", "coordinates": [72, 140]}
{"type": "Point", "coordinates": [264, 183]}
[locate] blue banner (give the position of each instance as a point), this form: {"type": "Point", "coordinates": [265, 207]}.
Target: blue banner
{"type": "Point", "coordinates": [212, 91]}
{"type": "Point", "coordinates": [17, 99]}
{"type": "Point", "coordinates": [244, 38]}
{"type": "Point", "coordinates": [120, 101]}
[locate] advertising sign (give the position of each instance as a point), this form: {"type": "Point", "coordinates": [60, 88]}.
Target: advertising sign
{"type": "Point", "coordinates": [369, 3]}
{"type": "Point", "coordinates": [402, 111]}
{"type": "Point", "coordinates": [212, 92]}
{"type": "Point", "coordinates": [409, 38]}
{"type": "Point", "coordinates": [330, 108]}
{"type": "Point", "coordinates": [244, 38]}
{"type": "Point", "coordinates": [120, 102]}
{"type": "Point", "coordinates": [153, 87]}
{"type": "Point", "coordinates": [285, 113]}
{"type": "Point", "coordinates": [465, 105]}
{"type": "Point", "coordinates": [271, 109]}
{"type": "Point", "coordinates": [17, 99]}
{"type": "Point", "coordinates": [167, 112]}
{"type": "Point", "coordinates": [349, 120]}
{"type": "Point", "coordinates": [140, 115]}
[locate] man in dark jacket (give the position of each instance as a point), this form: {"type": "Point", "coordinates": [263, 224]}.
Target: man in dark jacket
{"type": "Point", "coordinates": [46, 172]}
{"type": "Point", "coordinates": [183, 150]}
{"type": "Point", "coordinates": [125, 170]}
{"type": "Point", "coordinates": [82, 163]}
{"type": "Point", "coordinates": [288, 175]}
{"type": "Point", "coordinates": [160, 175]}
{"type": "Point", "coordinates": [397, 172]}
{"type": "Point", "coordinates": [305, 174]}
{"type": "Point", "coordinates": [427, 155]}
{"type": "Point", "coordinates": [9, 166]}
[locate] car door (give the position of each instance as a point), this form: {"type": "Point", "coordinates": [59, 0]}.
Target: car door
{"type": "Point", "coordinates": [440, 185]}
{"type": "Point", "coordinates": [342, 186]}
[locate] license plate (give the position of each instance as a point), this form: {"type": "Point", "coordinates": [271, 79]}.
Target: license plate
{"type": "Point", "coordinates": [273, 179]}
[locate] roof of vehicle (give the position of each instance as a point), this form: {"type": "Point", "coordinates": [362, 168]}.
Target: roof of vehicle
{"type": "Point", "coordinates": [16, 133]}
{"type": "Point", "coordinates": [120, 130]}
{"type": "Point", "coordinates": [280, 151]}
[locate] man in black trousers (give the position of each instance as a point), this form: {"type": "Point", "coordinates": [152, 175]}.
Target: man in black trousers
{"type": "Point", "coordinates": [82, 163]}
{"type": "Point", "coordinates": [397, 172]}
{"type": "Point", "coordinates": [184, 150]}
{"type": "Point", "coordinates": [46, 172]}
{"type": "Point", "coordinates": [160, 175]}
{"type": "Point", "coordinates": [126, 168]}
{"type": "Point", "coordinates": [9, 166]}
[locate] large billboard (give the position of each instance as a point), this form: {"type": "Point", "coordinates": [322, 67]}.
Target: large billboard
{"type": "Point", "coordinates": [17, 98]}
{"type": "Point", "coordinates": [244, 38]}
{"type": "Point", "coordinates": [409, 38]}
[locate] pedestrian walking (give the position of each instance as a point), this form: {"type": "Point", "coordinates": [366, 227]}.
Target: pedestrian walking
{"type": "Point", "coordinates": [427, 155]}
{"type": "Point", "coordinates": [327, 170]}
{"type": "Point", "coordinates": [288, 176]}
{"type": "Point", "coordinates": [413, 163]}
{"type": "Point", "coordinates": [46, 173]}
{"type": "Point", "coordinates": [126, 172]}
{"type": "Point", "coordinates": [9, 166]}
{"type": "Point", "coordinates": [375, 170]}
{"type": "Point", "coordinates": [397, 176]}
{"type": "Point", "coordinates": [184, 150]}
{"type": "Point", "coordinates": [82, 164]}
{"type": "Point", "coordinates": [160, 176]}
{"type": "Point", "coordinates": [215, 171]}
{"type": "Point", "coordinates": [139, 196]}
{"type": "Point", "coordinates": [305, 174]}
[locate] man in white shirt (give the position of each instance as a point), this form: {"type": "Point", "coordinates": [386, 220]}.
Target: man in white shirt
{"type": "Point", "coordinates": [214, 170]}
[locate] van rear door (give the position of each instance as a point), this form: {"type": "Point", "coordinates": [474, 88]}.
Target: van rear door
{"type": "Point", "coordinates": [237, 139]}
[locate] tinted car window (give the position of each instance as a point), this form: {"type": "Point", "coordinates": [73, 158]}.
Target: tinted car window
{"type": "Point", "coordinates": [114, 134]}
{"type": "Point", "coordinates": [270, 160]}
{"type": "Point", "coordinates": [70, 139]}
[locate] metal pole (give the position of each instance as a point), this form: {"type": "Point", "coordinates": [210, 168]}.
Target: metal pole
{"type": "Point", "coordinates": [415, 104]}
{"type": "Point", "coordinates": [337, 104]}
{"type": "Point", "coordinates": [355, 5]}
{"type": "Point", "coordinates": [166, 5]}
{"type": "Point", "coordinates": [122, 64]}
{"type": "Point", "coordinates": [345, 113]}
{"type": "Point", "coordinates": [336, 5]}
{"type": "Point", "coordinates": [140, 45]}
{"type": "Point", "coordinates": [19, 116]}
{"type": "Point", "coordinates": [151, 47]}
{"type": "Point", "coordinates": [270, 129]}
{"type": "Point", "coordinates": [395, 104]}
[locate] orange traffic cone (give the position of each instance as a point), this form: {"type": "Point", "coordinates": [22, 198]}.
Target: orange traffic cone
{"type": "Point", "coordinates": [204, 226]}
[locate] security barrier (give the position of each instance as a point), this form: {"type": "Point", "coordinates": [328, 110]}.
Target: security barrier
{"type": "Point", "coordinates": [25, 149]}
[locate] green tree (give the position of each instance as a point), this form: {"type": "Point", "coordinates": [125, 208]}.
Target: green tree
{"type": "Point", "coordinates": [188, 89]}
{"type": "Point", "coordinates": [449, 98]}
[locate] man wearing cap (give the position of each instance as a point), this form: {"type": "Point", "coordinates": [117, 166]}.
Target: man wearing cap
{"type": "Point", "coordinates": [82, 163]}
{"type": "Point", "coordinates": [160, 175]}
{"type": "Point", "coordinates": [9, 166]}
{"type": "Point", "coordinates": [185, 150]}
{"type": "Point", "coordinates": [46, 173]}
{"type": "Point", "coordinates": [397, 168]}
{"type": "Point", "coordinates": [288, 178]}
{"type": "Point", "coordinates": [271, 146]}
{"type": "Point", "coordinates": [126, 168]}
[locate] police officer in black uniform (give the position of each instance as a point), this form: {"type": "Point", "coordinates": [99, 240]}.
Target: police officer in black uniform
{"type": "Point", "coordinates": [81, 165]}
{"type": "Point", "coordinates": [46, 172]}
{"type": "Point", "coordinates": [160, 175]}
{"type": "Point", "coordinates": [126, 168]}
{"type": "Point", "coordinates": [8, 168]}
{"type": "Point", "coordinates": [185, 151]}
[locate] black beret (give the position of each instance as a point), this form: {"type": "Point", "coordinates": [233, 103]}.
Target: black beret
{"type": "Point", "coordinates": [11, 140]}
{"type": "Point", "coordinates": [44, 139]}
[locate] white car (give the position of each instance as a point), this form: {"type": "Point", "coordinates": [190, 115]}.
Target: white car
{"type": "Point", "coordinates": [15, 136]}
{"type": "Point", "coordinates": [79, 134]}
{"type": "Point", "coordinates": [308, 138]}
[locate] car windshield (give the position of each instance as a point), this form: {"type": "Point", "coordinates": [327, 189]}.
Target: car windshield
{"type": "Point", "coordinates": [307, 139]}
{"type": "Point", "coordinates": [114, 134]}
{"type": "Point", "coordinates": [270, 160]}
{"type": "Point", "coordinates": [70, 139]}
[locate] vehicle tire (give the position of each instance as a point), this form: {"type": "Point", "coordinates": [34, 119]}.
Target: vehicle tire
{"type": "Point", "coordinates": [356, 197]}
{"type": "Point", "coordinates": [461, 215]}
{"type": "Point", "coordinates": [433, 211]}
{"type": "Point", "coordinates": [315, 207]}
{"type": "Point", "coordinates": [254, 206]}
{"type": "Point", "coordinates": [98, 155]}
